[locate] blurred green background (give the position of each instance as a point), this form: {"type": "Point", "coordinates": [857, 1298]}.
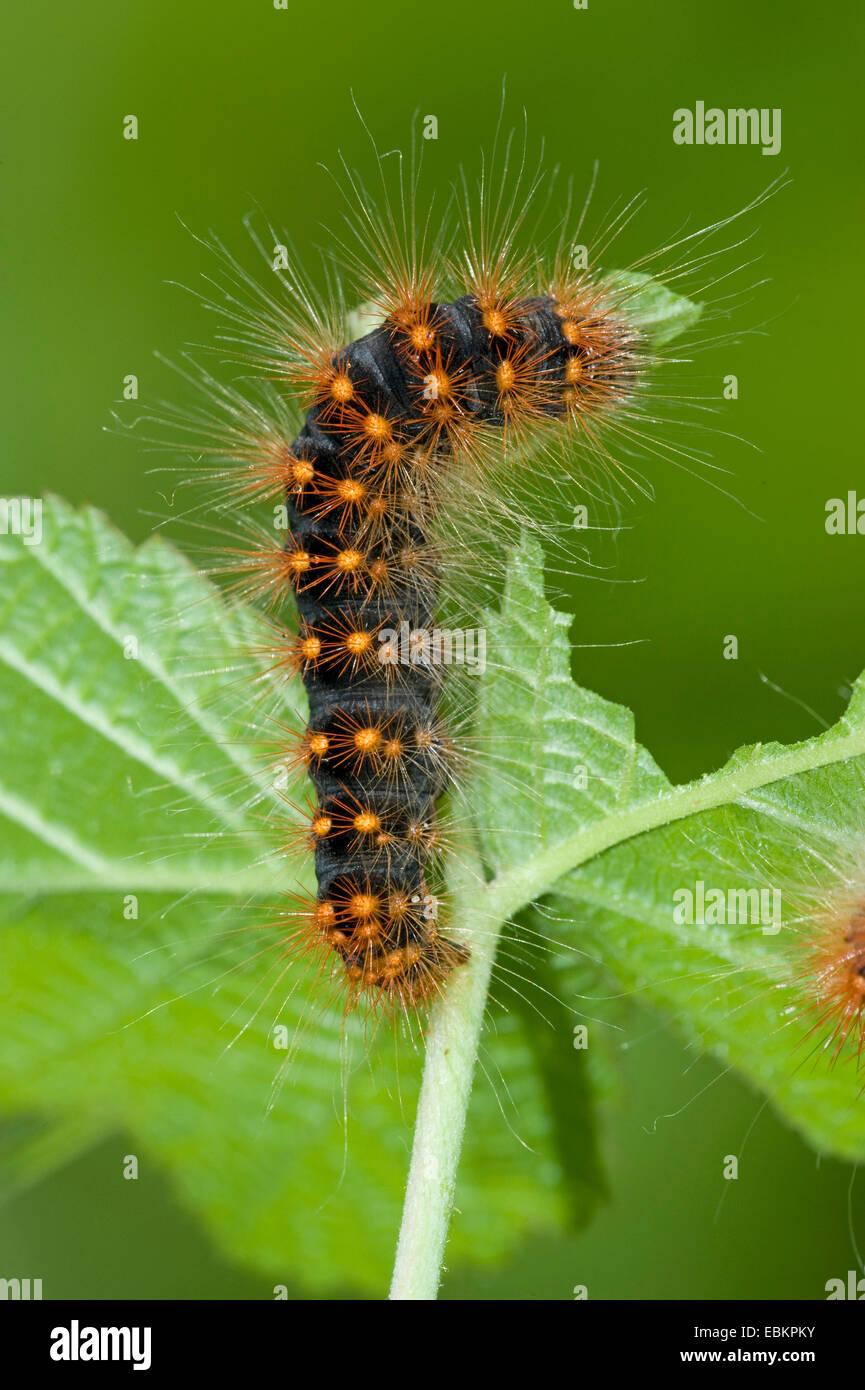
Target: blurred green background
{"type": "Point", "coordinates": [237, 104]}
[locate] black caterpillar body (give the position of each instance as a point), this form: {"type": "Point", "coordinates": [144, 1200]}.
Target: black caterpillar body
{"type": "Point", "coordinates": [390, 412]}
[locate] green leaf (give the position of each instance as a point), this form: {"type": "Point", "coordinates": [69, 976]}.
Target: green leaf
{"type": "Point", "coordinates": [659, 312]}
{"type": "Point", "coordinates": [739, 989]}
{"type": "Point", "coordinates": [116, 667]}
{"type": "Point", "coordinates": [140, 981]}
{"type": "Point", "coordinates": [774, 817]}
{"type": "Point", "coordinates": [570, 758]}
{"type": "Point", "coordinates": [31, 1146]}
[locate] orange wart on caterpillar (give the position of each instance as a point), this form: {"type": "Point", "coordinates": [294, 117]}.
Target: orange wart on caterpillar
{"type": "Point", "coordinates": [501, 361]}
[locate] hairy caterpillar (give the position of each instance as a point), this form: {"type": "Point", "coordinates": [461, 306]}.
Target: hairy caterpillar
{"type": "Point", "coordinates": [390, 412]}
{"type": "Point", "coordinates": [500, 360]}
{"type": "Point", "coordinates": [839, 968]}
{"type": "Point", "coordinates": [829, 957]}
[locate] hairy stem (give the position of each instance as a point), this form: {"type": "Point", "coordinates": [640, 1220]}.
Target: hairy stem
{"type": "Point", "coordinates": [451, 1050]}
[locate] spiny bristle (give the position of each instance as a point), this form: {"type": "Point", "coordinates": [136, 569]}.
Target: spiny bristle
{"type": "Point", "coordinates": [835, 974]}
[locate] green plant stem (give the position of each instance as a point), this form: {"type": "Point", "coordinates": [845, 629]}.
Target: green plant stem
{"type": "Point", "coordinates": [455, 1027]}
{"type": "Point", "coordinates": [515, 888]}
{"type": "Point", "coordinates": [451, 1050]}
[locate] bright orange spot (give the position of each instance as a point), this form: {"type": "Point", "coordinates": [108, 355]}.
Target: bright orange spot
{"type": "Point", "coordinates": [437, 386]}
{"type": "Point", "coordinates": [317, 744]}
{"type": "Point", "coordinates": [376, 426]}
{"type": "Point", "coordinates": [341, 388]}
{"type": "Point", "coordinates": [421, 337]}
{"type": "Point", "coordinates": [349, 490]}
{"type": "Point", "coordinates": [310, 648]}
{"type": "Point", "coordinates": [495, 322]}
{"type": "Point", "coordinates": [358, 642]}
{"type": "Point", "coordinates": [301, 472]}
{"type": "Point", "coordinates": [324, 915]}
{"type": "Point", "coordinates": [321, 826]}
{"type": "Point", "coordinates": [363, 905]}
{"type": "Point", "coordinates": [393, 965]}
{"type": "Point", "coordinates": [378, 571]}
{"type": "Point", "coordinates": [366, 822]}
{"type": "Point", "coordinates": [368, 931]}
{"type": "Point", "coordinates": [505, 376]}
{"type": "Point", "coordinates": [349, 560]}
{"type": "Point", "coordinates": [299, 562]}
{"type": "Point", "coordinates": [367, 739]}
{"type": "Point", "coordinates": [573, 370]}
{"type": "Point", "coordinates": [391, 453]}
{"type": "Point", "coordinates": [570, 332]}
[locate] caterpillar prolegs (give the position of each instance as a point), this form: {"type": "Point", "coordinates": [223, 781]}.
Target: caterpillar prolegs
{"type": "Point", "coordinates": [390, 413]}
